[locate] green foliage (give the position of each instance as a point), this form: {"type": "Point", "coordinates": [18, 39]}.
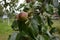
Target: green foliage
{"type": "Point", "coordinates": [49, 9]}
{"type": "Point", "coordinates": [35, 28]}
{"type": "Point", "coordinates": [49, 21]}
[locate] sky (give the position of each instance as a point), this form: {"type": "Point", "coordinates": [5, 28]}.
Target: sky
{"type": "Point", "coordinates": [59, 0]}
{"type": "Point", "coordinates": [18, 4]}
{"type": "Point", "coordinates": [20, 1]}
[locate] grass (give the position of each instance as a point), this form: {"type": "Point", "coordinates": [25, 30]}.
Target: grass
{"type": "Point", "coordinates": [5, 30]}
{"type": "Point", "coordinates": [57, 24]}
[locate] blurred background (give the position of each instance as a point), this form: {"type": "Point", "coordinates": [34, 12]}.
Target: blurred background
{"type": "Point", "coordinates": [10, 8]}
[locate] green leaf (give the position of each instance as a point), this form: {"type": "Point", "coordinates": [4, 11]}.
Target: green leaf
{"type": "Point", "coordinates": [40, 29]}
{"type": "Point", "coordinates": [53, 30]}
{"type": "Point", "coordinates": [26, 28]}
{"type": "Point", "coordinates": [38, 19]}
{"type": "Point", "coordinates": [23, 36]}
{"type": "Point", "coordinates": [40, 0]}
{"type": "Point", "coordinates": [33, 28]}
{"type": "Point", "coordinates": [34, 25]}
{"type": "Point", "coordinates": [44, 29]}
{"type": "Point", "coordinates": [22, 26]}
{"type": "Point", "coordinates": [14, 25]}
{"type": "Point", "coordinates": [31, 33]}
{"type": "Point", "coordinates": [26, 8]}
{"type": "Point", "coordinates": [46, 37]}
{"type": "Point", "coordinates": [14, 1]}
{"type": "Point", "coordinates": [49, 8]}
{"type": "Point", "coordinates": [49, 21]}
{"type": "Point", "coordinates": [40, 37]}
